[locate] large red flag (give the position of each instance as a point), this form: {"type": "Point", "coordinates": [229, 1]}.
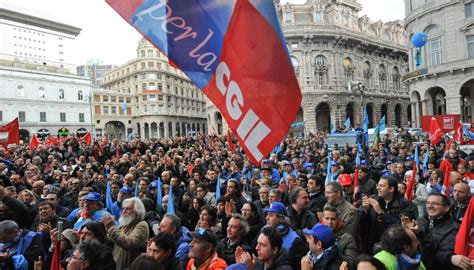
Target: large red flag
{"type": "Point", "coordinates": [10, 133]}
{"type": "Point", "coordinates": [435, 132]}
{"type": "Point", "coordinates": [230, 142]}
{"type": "Point", "coordinates": [34, 141]}
{"type": "Point", "coordinates": [56, 260]}
{"type": "Point", "coordinates": [86, 138]}
{"type": "Point", "coordinates": [464, 242]}
{"type": "Point", "coordinates": [446, 166]}
{"type": "Point", "coordinates": [459, 134]}
{"type": "Point", "coordinates": [411, 184]}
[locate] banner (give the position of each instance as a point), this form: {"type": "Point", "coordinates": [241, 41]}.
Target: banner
{"type": "Point", "coordinates": [235, 52]}
{"type": "Point", "coordinates": [10, 133]}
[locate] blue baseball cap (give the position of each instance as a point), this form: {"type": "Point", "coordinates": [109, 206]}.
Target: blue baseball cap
{"type": "Point", "coordinates": [237, 266]}
{"type": "Point", "coordinates": [276, 207]}
{"type": "Point", "coordinates": [126, 189]}
{"type": "Point", "coordinates": [307, 165]}
{"type": "Point", "coordinates": [266, 161]}
{"type": "Point", "coordinates": [364, 162]}
{"type": "Point", "coordinates": [302, 155]}
{"type": "Point", "coordinates": [335, 163]}
{"type": "Point", "coordinates": [321, 232]}
{"type": "Point", "coordinates": [153, 184]}
{"type": "Point", "coordinates": [289, 163]}
{"type": "Point", "coordinates": [410, 158]}
{"type": "Point", "coordinates": [93, 196]}
{"type": "Point", "coordinates": [389, 162]}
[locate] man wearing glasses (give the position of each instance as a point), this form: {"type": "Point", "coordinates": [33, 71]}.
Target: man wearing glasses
{"type": "Point", "coordinates": [203, 251]}
{"type": "Point", "coordinates": [437, 233]}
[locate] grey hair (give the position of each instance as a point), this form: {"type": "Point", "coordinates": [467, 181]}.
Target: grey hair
{"type": "Point", "coordinates": [138, 206]}
{"type": "Point", "coordinates": [8, 227]}
{"type": "Point", "coordinates": [336, 187]}
{"type": "Point", "coordinates": [283, 219]}
{"type": "Point", "coordinates": [244, 225]}
{"type": "Point", "coordinates": [175, 220]}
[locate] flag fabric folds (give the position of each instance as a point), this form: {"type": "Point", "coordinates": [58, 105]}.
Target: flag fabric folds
{"type": "Point", "coordinates": [365, 127]}
{"type": "Point", "coordinates": [86, 138]}
{"type": "Point", "coordinates": [328, 169]}
{"type": "Point", "coordinates": [108, 199]}
{"type": "Point", "coordinates": [467, 134]}
{"type": "Point", "coordinates": [411, 183]}
{"type": "Point", "coordinates": [435, 132]}
{"type": "Point", "coordinates": [170, 209]}
{"type": "Point", "coordinates": [34, 141]}
{"type": "Point", "coordinates": [235, 52]}
{"type": "Point", "coordinates": [218, 187]}
{"type": "Point", "coordinates": [347, 123]}
{"type": "Point", "coordinates": [425, 162]}
{"type": "Point", "coordinates": [159, 195]}
{"type": "Point", "coordinates": [56, 260]}
{"type": "Point", "coordinates": [10, 133]}
{"type": "Point", "coordinates": [461, 246]}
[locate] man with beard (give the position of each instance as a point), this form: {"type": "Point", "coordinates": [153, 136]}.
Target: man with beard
{"type": "Point", "coordinates": [125, 193]}
{"type": "Point", "coordinates": [131, 236]}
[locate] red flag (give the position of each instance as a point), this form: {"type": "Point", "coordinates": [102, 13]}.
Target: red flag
{"type": "Point", "coordinates": [464, 242]}
{"type": "Point", "coordinates": [87, 138]}
{"type": "Point", "coordinates": [117, 152]}
{"type": "Point", "coordinates": [459, 134]}
{"type": "Point", "coordinates": [435, 132]}
{"type": "Point", "coordinates": [34, 141]}
{"type": "Point", "coordinates": [10, 133]}
{"type": "Point", "coordinates": [56, 261]}
{"type": "Point", "coordinates": [411, 183]}
{"type": "Point", "coordinates": [446, 166]}
{"type": "Point", "coordinates": [230, 142]}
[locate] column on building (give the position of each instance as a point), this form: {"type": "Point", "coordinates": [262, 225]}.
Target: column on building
{"type": "Point", "coordinates": [454, 104]}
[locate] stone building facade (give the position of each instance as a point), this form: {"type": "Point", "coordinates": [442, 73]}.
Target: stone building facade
{"type": "Point", "coordinates": [331, 46]}
{"type": "Point", "coordinates": [149, 98]}
{"type": "Point", "coordinates": [37, 79]}
{"type": "Point", "coordinates": [444, 82]}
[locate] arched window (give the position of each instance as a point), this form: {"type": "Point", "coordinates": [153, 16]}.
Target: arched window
{"type": "Point", "coordinates": [296, 66]}
{"type": "Point", "coordinates": [348, 69]}
{"type": "Point", "coordinates": [434, 49]}
{"type": "Point", "coordinates": [321, 70]}
{"type": "Point", "coordinates": [21, 91]}
{"type": "Point", "coordinates": [41, 92]}
{"type": "Point", "coordinates": [367, 74]}
{"type": "Point", "coordinates": [382, 77]}
{"type": "Point", "coordinates": [80, 95]}
{"type": "Point", "coordinates": [61, 93]}
{"type": "Point", "coordinates": [396, 79]}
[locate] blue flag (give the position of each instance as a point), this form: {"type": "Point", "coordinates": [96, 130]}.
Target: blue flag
{"type": "Point", "coordinates": [366, 127]}
{"type": "Point", "coordinates": [136, 189]}
{"type": "Point", "coordinates": [108, 199]}
{"type": "Point", "coordinates": [425, 162]}
{"type": "Point", "coordinates": [277, 149]}
{"type": "Point", "coordinates": [466, 132]}
{"type": "Point", "coordinates": [417, 158]}
{"type": "Point", "coordinates": [359, 149]}
{"type": "Point", "coordinates": [218, 188]}
{"type": "Point", "coordinates": [347, 123]}
{"type": "Point", "coordinates": [170, 209]}
{"type": "Point", "coordinates": [381, 125]}
{"type": "Point", "coordinates": [159, 195]}
{"type": "Point", "coordinates": [332, 128]}
{"type": "Point", "coordinates": [329, 172]}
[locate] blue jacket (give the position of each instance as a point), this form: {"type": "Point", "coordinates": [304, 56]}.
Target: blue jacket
{"type": "Point", "coordinates": [182, 251]}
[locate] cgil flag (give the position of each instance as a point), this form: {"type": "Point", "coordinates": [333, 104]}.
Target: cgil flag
{"type": "Point", "coordinates": [463, 244]}
{"type": "Point", "coordinates": [435, 132]}
{"type": "Point", "coordinates": [235, 52]}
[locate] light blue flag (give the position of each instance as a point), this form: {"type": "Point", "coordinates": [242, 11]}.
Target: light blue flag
{"type": "Point", "coordinates": [108, 199]}
{"type": "Point", "coordinates": [136, 189]}
{"type": "Point", "coordinates": [170, 209]}
{"type": "Point", "coordinates": [466, 132]}
{"type": "Point", "coordinates": [366, 127]}
{"type": "Point", "coordinates": [381, 125]}
{"type": "Point", "coordinates": [159, 195]}
{"type": "Point", "coordinates": [425, 162]}
{"type": "Point", "coordinates": [417, 159]}
{"type": "Point", "coordinates": [329, 172]}
{"type": "Point", "coordinates": [347, 123]}
{"type": "Point", "coordinates": [359, 150]}
{"type": "Point", "coordinates": [218, 188]}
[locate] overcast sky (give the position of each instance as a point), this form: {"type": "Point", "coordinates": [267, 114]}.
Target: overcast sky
{"type": "Point", "coordinates": [105, 35]}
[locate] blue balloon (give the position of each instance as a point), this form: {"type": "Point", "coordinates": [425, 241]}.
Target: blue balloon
{"type": "Point", "coordinates": [418, 39]}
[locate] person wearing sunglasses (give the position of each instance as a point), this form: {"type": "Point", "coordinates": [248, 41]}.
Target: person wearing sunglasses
{"type": "Point", "coordinates": [203, 253]}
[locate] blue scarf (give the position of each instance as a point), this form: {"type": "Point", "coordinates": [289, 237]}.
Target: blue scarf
{"type": "Point", "coordinates": [404, 262]}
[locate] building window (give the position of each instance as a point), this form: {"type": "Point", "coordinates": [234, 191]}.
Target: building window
{"type": "Point", "coordinates": [383, 77]}
{"type": "Point", "coordinates": [62, 117]}
{"type": "Point", "coordinates": [22, 116]}
{"type": "Point", "coordinates": [296, 66]}
{"type": "Point", "coordinates": [106, 110]}
{"type": "Point", "coordinates": [470, 46]}
{"type": "Point", "coordinates": [469, 10]}
{"type": "Point", "coordinates": [81, 117]}
{"type": "Point", "coordinates": [321, 70]}
{"type": "Point", "coordinates": [42, 116]}
{"type": "Point", "coordinates": [367, 75]}
{"type": "Point", "coordinates": [80, 95]}
{"type": "Point", "coordinates": [145, 109]}
{"type": "Point", "coordinates": [21, 91]}
{"type": "Point", "coordinates": [105, 98]}
{"type": "Point", "coordinates": [434, 46]}
{"type": "Point", "coordinates": [396, 79]}
{"type": "Point", "coordinates": [348, 69]}
{"type": "Point", "coordinates": [41, 93]}
{"type": "Point", "coordinates": [61, 93]}
{"type": "Point", "coordinates": [113, 110]}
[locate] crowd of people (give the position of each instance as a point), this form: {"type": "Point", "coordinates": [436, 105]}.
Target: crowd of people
{"type": "Point", "coordinates": [293, 211]}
